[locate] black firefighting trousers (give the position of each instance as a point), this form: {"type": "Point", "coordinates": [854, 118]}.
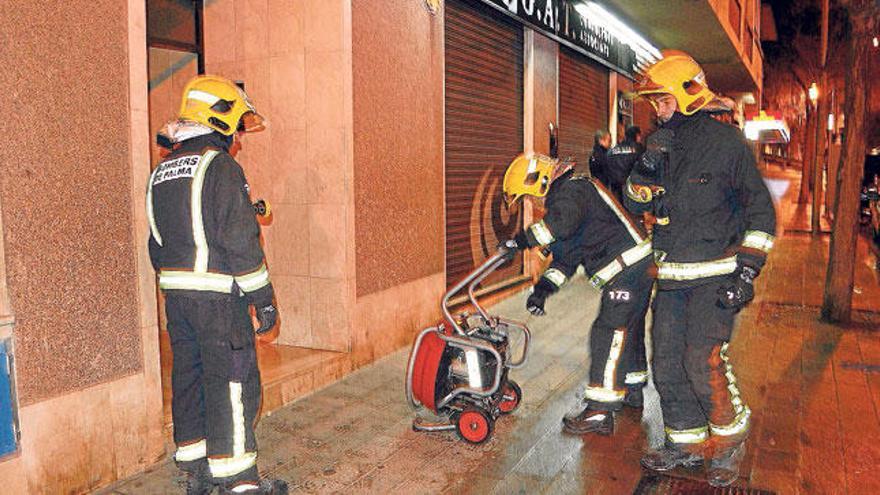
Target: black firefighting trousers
{"type": "Point", "coordinates": [617, 338]}
{"type": "Point", "coordinates": [215, 383]}
{"type": "Point", "coordinates": [695, 380]}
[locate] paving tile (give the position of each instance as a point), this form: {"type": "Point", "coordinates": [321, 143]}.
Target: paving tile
{"type": "Point", "coordinates": [814, 389]}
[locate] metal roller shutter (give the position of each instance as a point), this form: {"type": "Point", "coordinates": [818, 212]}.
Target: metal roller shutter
{"type": "Point", "coordinates": [645, 117]}
{"type": "Point", "coordinates": [583, 105]}
{"type": "Point", "coordinates": [484, 132]}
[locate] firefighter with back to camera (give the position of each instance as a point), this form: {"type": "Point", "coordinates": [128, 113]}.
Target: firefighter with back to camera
{"type": "Point", "coordinates": [620, 160]}
{"type": "Point", "coordinates": [585, 224]}
{"type": "Point", "coordinates": [205, 246]}
{"type": "Point", "coordinates": [715, 226]}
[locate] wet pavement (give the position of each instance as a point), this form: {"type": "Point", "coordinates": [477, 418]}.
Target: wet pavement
{"type": "Point", "coordinates": [814, 389]}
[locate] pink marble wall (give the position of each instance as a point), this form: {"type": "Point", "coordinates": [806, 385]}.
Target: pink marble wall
{"type": "Point", "coordinates": [398, 172]}
{"type": "Point", "coordinates": [5, 306]}
{"type": "Point", "coordinates": [69, 245]}
{"type": "Point", "coordinates": [398, 143]}
{"type": "Point", "coordinates": [170, 70]}
{"type": "Point", "coordinates": [78, 274]}
{"type": "Point", "coordinates": [295, 59]}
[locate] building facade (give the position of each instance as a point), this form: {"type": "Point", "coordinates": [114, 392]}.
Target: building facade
{"type": "Point", "coordinates": [390, 126]}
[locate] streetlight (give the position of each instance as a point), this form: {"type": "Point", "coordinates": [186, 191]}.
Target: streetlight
{"type": "Point", "coordinates": [813, 92]}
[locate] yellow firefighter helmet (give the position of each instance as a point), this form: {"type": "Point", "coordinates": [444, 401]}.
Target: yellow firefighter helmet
{"type": "Point", "coordinates": [529, 173]}
{"type": "Point", "coordinates": [679, 75]}
{"type": "Point", "coordinates": [219, 104]}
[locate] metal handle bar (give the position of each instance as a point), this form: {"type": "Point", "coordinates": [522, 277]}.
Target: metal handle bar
{"type": "Point", "coordinates": [473, 285]}
{"type": "Point", "coordinates": [487, 267]}
{"type": "Point", "coordinates": [527, 335]}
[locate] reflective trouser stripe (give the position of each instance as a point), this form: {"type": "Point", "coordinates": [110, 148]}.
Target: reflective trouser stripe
{"type": "Point", "coordinates": [240, 460]}
{"type": "Point", "coordinates": [151, 216]}
{"type": "Point", "coordinates": [208, 282]}
{"type": "Point", "coordinates": [636, 377]}
{"type": "Point", "coordinates": [237, 419]}
{"type": "Point", "coordinates": [600, 394]}
{"type": "Point", "coordinates": [693, 435]}
{"type": "Point", "coordinates": [755, 239]}
{"type": "Point", "coordinates": [742, 412]}
{"type": "Point", "coordinates": [608, 392]}
{"type": "Point", "coordinates": [556, 277]}
{"type": "Point", "coordinates": [739, 424]}
{"type": "Point", "coordinates": [542, 233]}
{"type": "Point", "coordinates": [693, 271]}
{"type": "Point", "coordinates": [613, 356]}
{"type": "Point", "coordinates": [615, 207]}
{"type": "Point", "coordinates": [257, 279]}
{"type": "Point", "coordinates": [628, 258]}
{"type": "Point", "coordinates": [192, 451]}
{"type": "Point", "coordinates": [198, 224]}
{"type": "Point", "coordinates": [225, 467]}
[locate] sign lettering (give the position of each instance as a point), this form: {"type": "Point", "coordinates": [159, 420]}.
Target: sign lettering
{"type": "Point", "coordinates": [559, 19]}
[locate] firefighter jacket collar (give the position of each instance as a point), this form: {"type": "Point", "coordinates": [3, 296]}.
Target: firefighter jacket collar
{"type": "Point", "coordinates": [679, 119]}
{"type": "Point", "coordinates": [199, 143]}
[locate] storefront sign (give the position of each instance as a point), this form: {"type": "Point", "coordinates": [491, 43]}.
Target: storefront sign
{"type": "Point", "coordinates": [559, 19]}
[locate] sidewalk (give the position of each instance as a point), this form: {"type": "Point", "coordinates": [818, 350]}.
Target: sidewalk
{"type": "Point", "coordinates": [814, 389]}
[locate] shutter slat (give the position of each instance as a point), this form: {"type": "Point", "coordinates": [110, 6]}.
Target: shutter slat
{"type": "Point", "coordinates": [583, 105]}
{"type": "Point", "coordinates": [484, 130]}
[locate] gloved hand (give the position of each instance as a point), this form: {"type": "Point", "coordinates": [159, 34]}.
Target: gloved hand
{"type": "Point", "coordinates": [540, 292]}
{"type": "Point", "coordinates": [740, 290]}
{"type": "Point", "coordinates": [267, 316]}
{"type": "Point", "coordinates": [648, 169]}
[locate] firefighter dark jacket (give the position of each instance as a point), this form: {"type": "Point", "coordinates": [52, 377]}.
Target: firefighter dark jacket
{"type": "Point", "coordinates": [619, 163]}
{"type": "Point", "coordinates": [204, 235]}
{"type": "Point", "coordinates": [720, 212]}
{"type": "Point", "coordinates": [584, 224]}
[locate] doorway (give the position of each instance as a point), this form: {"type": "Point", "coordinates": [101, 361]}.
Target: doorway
{"type": "Point", "coordinates": [176, 53]}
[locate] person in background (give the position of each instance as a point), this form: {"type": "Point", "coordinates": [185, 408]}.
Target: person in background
{"type": "Point", "coordinates": [620, 160]}
{"type": "Point", "coordinates": [598, 158]}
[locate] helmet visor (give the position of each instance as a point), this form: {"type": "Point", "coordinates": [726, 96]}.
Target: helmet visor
{"type": "Point", "coordinates": [252, 122]}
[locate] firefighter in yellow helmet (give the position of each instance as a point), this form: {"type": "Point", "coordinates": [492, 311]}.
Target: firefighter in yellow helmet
{"type": "Point", "coordinates": [205, 245]}
{"type": "Point", "coordinates": [716, 225]}
{"type": "Point", "coordinates": [584, 224]}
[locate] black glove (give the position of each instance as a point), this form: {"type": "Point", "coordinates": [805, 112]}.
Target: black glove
{"type": "Point", "coordinates": [651, 164]}
{"type": "Point", "coordinates": [540, 292]}
{"type": "Point", "coordinates": [267, 316]}
{"type": "Point", "coordinates": [740, 290]}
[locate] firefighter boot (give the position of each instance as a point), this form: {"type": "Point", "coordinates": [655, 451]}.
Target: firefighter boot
{"type": "Point", "coordinates": [634, 397]}
{"type": "Point", "coordinates": [669, 457]}
{"type": "Point", "coordinates": [198, 477]}
{"type": "Point", "coordinates": [724, 466]}
{"type": "Point", "coordinates": [262, 487]}
{"type": "Point", "coordinates": [589, 421]}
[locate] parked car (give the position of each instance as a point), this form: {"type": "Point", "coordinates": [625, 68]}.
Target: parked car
{"type": "Point", "coordinates": [870, 204]}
